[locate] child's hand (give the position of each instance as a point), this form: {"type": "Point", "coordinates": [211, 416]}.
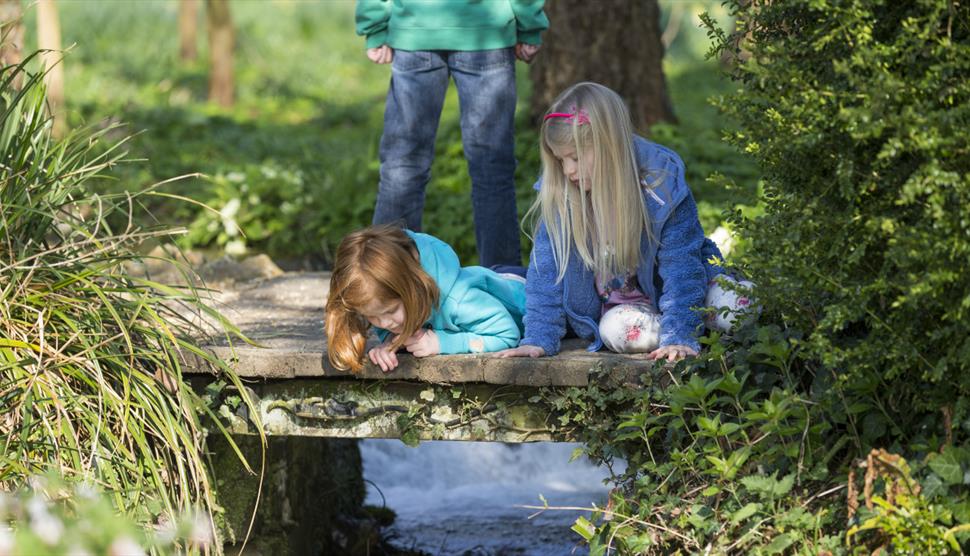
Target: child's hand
{"type": "Point", "coordinates": [384, 357]}
{"type": "Point", "coordinates": [672, 353]}
{"type": "Point", "coordinates": [383, 54]}
{"type": "Point", "coordinates": [526, 52]}
{"type": "Point", "coordinates": [522, 351]}
{"type": "Point", "coordinates": [423, 343]}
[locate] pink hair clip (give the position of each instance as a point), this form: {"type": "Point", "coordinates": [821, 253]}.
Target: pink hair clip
{"type": "Point", "coordinates": [581, 116]}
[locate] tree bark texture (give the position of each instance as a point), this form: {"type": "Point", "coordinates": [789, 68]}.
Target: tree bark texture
{"type": "Point", "coordinates": [613, 42]}
{"type": "Point", "coordinates": [12, 36]}
{"type": "Point", "coordinates": [221, 44]}
{"type": "Point", "coordinates": [49, 40]}
{"type": "Point", "coordinates": [188, 30]}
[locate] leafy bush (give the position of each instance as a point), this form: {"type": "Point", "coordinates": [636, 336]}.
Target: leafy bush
{"type": "Point", "coordinates": [91, 358]}
{"type": "Point", "coordinates": [730, 454]}
{"type": "Point", "coordinates": [899, 517]}
{"type": "Point", "coordinates": [723, 454]}
{"type": "Point", "coordinates": [857, 112]}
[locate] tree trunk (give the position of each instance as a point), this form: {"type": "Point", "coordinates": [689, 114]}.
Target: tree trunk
{"type": "Point", "coordinates": [49, 38]}
{"type": "Point", "coordinates": [12, 36]}
{"type": "Point", "coordinates": [612, 42]}
{"type": "Point", "coordinates": [221, 44]}
{"type": "Point", "coordinates": [188, 30]}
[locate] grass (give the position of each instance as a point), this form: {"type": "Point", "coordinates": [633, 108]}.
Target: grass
{"type": "Point", "coordinates": [91, 357]}
{"type": "Point", "coordinates": [297, 155]}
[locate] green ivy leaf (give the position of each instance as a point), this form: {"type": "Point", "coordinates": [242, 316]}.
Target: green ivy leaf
{"type": "Point", "coordinates": [933, 486]}
{"type": "Point", "coordinates": [948, 467]}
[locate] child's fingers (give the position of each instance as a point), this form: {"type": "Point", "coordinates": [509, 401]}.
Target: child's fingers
{"type": "Point", "coordinates": [521, 351]}
{"type": "Point", "coordinates": [672, 353]}
{"type": "Point", "coordinates": [390, 361]}
{"type": "Point", "coordinates": [415, 338]}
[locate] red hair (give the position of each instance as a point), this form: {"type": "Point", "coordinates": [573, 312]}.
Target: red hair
{"type": "Point", "coordinates": [382, 263]}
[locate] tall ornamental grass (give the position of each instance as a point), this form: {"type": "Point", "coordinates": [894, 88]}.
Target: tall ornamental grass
{"type": "Point", "coordinates": [91, 358]}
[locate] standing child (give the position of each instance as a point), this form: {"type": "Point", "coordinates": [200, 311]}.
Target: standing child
{"type": "Point", "coordinates": [412, 289]}
{"type": "Point", "coordinates": [475, 43]}
{"type": "Point", "coordinates": [619, 254]}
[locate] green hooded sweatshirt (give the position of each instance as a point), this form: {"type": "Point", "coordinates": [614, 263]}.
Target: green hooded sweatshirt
{"type": "Point", "coordinates": [450, 24]}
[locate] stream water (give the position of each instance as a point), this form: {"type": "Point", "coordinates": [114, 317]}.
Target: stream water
{"type": "Point", "coordinates": [462, 498]}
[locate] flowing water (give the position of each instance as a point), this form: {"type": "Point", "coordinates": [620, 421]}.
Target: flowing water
{"type": "Point", "coordinates": [462, 497]}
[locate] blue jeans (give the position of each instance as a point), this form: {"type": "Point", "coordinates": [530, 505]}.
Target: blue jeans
{"type": "Point", "coordinates": [486, 94]}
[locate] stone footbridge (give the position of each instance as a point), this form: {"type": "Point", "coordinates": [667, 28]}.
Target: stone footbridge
{"type": "Point", "coordinates": [454, 397]}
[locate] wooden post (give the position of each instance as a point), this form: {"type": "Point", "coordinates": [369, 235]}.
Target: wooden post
{"type": "Point", "coordinates": [49, 38]}
{"type": "Point", "coordinates": [11, 36]}
{"type": "Point", "coordinates": [188, 30]}
{"type": "Point", "coordinates": [221, 45]}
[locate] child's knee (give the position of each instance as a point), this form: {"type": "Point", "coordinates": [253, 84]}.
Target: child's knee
{"type": "Point", "coordinates": [630, 329]}
{"type": "Point", "coordinates": [727, 302]}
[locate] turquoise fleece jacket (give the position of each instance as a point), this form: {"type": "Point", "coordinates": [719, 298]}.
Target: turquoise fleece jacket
{"type": "Point", "coordinates": [450, 24]}
{"type": "Point", "coordinates": [674, 271]}
{"type": "Point", "coordinates": [478, 310]}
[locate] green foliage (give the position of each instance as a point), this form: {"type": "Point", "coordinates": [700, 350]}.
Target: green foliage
{"type": "Point", "coordinates": [55, 519]}
{"type": "Point", "coordinates": [306, 126]}
{"type": "Point", "coordinates": [900, 518]}
{"type": "Point", "coordinates": [722, 454]}
{"type": "Point", "coordinates": [91, 357]}
{"type": "Point", "coordinates": [858, 122]}
{"type": "Point", "coordinates": [731, 454]}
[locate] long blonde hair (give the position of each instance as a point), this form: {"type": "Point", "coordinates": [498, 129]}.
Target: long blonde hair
{"type": "Point", "coordinates": [382, 263]}
{"type": "Point", "coordinates": [605, 225]}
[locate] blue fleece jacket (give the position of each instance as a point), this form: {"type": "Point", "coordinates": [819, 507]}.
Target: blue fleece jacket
{"type": "Point", "coordinates": [674, 272]}
{"type": "Point", "coordinates": [478, 310]}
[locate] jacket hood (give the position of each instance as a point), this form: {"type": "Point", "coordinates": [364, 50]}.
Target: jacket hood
{"type": "Point", "coordinates": [439, 260]}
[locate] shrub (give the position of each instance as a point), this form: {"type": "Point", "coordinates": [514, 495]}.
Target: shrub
{"type": "Point", "coordinates": [91, 358]}
{"type": "Point", "coordinates": [857, 112]}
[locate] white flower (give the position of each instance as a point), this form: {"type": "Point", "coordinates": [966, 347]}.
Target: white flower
{"type": "Point", "coordinates": [6, 541]}
{"type": "Point", "coordinates": [236, 247]}
{"type": "Point", "coordinates": [87, 491]}
{"type": "Point", "coordinates": [201, 533]}
{"type": "Point", "coordinates": [77, 551]}
{"type": "Point", "coordinates": [125, 546]}
{"type": "Point", "coordinates": [228, 216]}
{"type": "Point", "coordinates": [166, 531]}
{"type": "Point", "coordinates": [46, 526]}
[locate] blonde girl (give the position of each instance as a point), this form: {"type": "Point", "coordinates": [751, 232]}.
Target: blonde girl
{"type": "Point", "coordinates": [411, 288]}
{"type": "Point", "coordinates": [619, 255]}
